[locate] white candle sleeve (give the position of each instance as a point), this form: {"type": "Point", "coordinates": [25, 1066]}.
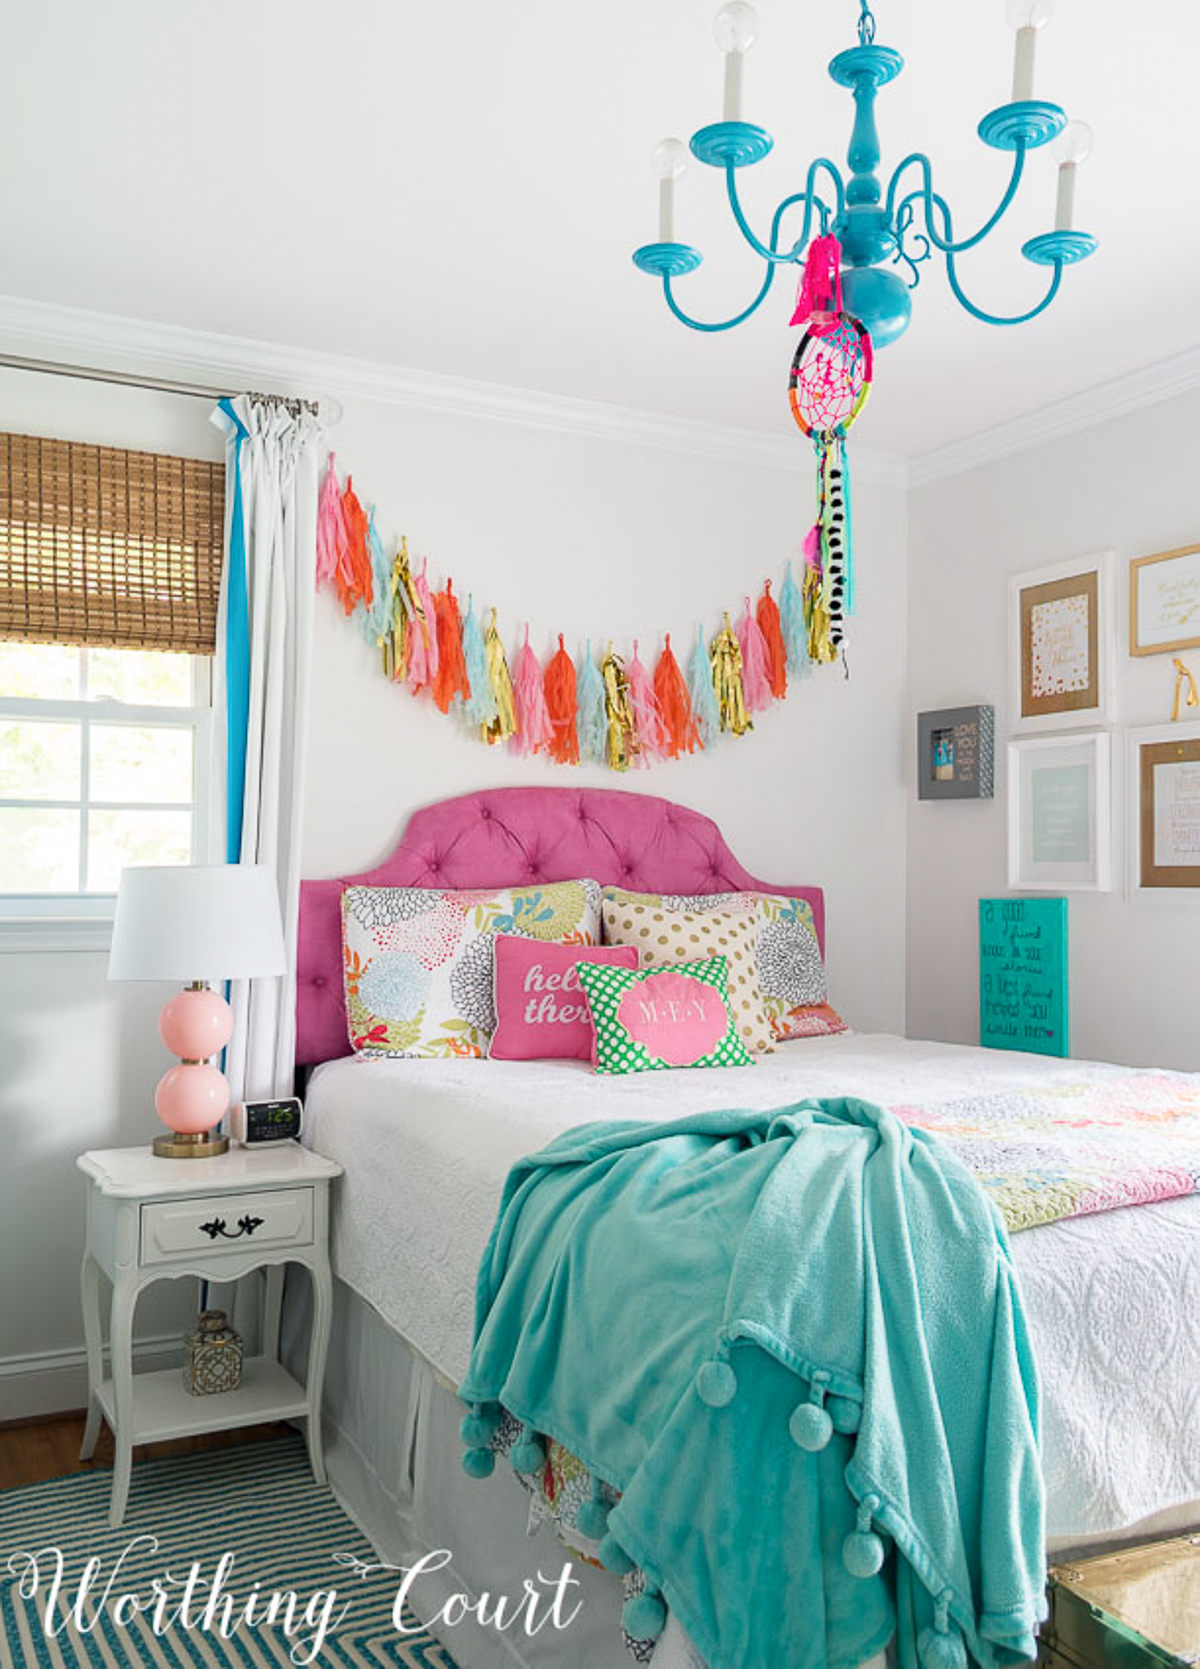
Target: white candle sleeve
{"type": "Point", "coordinates": [666, 211]}
{"type": "Point", "coordinates": [733, 85]}
{"type": "Point", "coordinates": [1064, 212]}
{"type": "Point", "coordinates": [1026, 49]}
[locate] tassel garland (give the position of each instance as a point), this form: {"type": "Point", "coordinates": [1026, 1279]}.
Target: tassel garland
{"type": "Point", "coordinates": [605, 709]}
{"type": "Point", "coordinates": [559, 689]}
{"type": "Point", "coordinates": [726, 657]}
{"type": "Point", "coordinates": [679, 722]}
{"type": "Point", "coordinates": [534, 729]}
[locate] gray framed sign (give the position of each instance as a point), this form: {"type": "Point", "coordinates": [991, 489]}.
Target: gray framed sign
{"type": "Point", "coordinates": [955, 753]}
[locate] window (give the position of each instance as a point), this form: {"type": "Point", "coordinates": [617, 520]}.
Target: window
{"type": "Point", "coordinates": [103, 763]}
{"type": "Point", "coordinates": [110, 566]}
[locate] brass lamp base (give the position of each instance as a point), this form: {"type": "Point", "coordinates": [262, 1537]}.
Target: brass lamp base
{"type": "Point", "coordinates": [179, 1145]}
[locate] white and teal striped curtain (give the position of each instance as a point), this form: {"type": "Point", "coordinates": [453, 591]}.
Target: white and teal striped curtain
{"type": "Point", "coordinates": [264, 645]}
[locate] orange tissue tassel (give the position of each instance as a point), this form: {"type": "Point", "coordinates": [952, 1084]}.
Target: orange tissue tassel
{"type": "Point", "coordinates": [770, 625]}
{"type": "Point", "coordinates": [679, 721]}
{"type": "Point", "coordinates": [450, 681]}
{"type": "Point", "coordinates": [560, 704]}
{"type": "Point", "coordinates": [353, 576]}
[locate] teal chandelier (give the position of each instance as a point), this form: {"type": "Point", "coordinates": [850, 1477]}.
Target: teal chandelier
{"type": "Point", "coordinates": [886, 233]}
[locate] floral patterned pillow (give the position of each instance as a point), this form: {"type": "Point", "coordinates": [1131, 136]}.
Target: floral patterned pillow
{"type": "Point", "coordinates": [791, 974]}
{"type": "Point", "coordinates": [420, 963]}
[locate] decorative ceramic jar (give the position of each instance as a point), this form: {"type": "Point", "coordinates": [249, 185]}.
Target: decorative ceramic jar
{"type": "Point", "coordinates": [212, 1355]}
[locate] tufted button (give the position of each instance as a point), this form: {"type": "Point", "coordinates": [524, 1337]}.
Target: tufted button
{"type": "Point", "coordinates": [485, 812]}
{"type": "Point", "coordinates": [319, 982]}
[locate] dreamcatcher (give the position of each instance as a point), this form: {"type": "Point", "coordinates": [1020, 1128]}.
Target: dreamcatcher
{"type": "Point", "coordinates": [828, 387]}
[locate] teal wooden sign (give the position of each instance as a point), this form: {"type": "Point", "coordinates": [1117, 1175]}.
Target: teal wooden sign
{"type": "Point", "coordinates": [1023, 974]}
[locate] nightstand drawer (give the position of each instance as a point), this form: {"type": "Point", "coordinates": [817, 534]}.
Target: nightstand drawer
{"type": "Point", "coordinates": [225, 1223]}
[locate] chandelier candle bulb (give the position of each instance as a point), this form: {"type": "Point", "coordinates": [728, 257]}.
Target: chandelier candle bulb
{"type": "Point", "coordinates": [1073, 144]}
{"type": "Point", "coordinates": [1026, 17]}
{"type": "Point", "coordinates": [736, 28]}
{"type": "Point", "coordinates": [668, 161]}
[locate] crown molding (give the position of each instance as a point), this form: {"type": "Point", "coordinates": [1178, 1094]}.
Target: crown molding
{"type": "Point", "coordinates": [106, 341]}
{"type": "Point", "coordinates": [1102, 404]}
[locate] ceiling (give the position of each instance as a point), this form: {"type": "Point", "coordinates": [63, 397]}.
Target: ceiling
{"type": "Point", "coordinates": [457, 185]}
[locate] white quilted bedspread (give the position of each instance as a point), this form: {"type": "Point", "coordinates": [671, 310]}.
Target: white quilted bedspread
{"type": "Point", "coordinates": [1113, 1300]}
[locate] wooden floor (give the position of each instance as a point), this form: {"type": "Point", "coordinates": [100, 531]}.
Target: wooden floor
{"type": "Point", "coordinates": [33, 1450]}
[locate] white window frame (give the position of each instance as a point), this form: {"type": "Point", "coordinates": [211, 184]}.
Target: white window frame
{"type": "Point", "coordinates": [82, 921]}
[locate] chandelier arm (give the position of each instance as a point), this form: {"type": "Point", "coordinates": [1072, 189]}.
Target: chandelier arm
{"type": "Point", "coordinates": [995, 318]}
{"type": "Point", "coordinates": [808, 197]}
{"type": "Point", "coordinates": [728, 324]}
{"type": "Point", "coordinates": [926, 195]}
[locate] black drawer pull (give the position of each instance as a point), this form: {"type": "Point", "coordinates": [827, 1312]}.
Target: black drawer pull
{"type": "Point", "coordinates": [246, 1226]}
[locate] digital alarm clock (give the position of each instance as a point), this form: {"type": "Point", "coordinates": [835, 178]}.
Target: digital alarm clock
{"type": "Point", "coordinates": [259, 1123]}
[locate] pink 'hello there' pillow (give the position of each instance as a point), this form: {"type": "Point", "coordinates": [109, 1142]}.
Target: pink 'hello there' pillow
{"type": "Point", "coordinates": [541, 1011]}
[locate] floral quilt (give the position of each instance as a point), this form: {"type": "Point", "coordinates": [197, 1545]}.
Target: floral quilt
{"type": "Point", "coordinates": [1067, 1149]}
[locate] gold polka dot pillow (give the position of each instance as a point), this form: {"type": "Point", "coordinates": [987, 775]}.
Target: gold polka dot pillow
{"type": "Point", "coordinates": [664, 937]}
{"type": "Point", "coordinates": [791, 972]}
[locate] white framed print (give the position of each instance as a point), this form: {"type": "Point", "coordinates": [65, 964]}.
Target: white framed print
{"type": "Point", "coordinates": [1060, 813]}
{"type": "Point", "coordinates": [1164, 809]}
{"type": "Point", "coordinates": [1164, 602]}
{"type": "Point", "coordinates": [1062, 644]}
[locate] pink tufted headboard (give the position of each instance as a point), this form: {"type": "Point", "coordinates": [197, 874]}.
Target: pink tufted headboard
{"type": "Point", "coordinates": [505, 836]}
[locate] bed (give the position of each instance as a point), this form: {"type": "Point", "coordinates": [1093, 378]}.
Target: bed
{"type": "Point", "coordinates": [1111, 1297]}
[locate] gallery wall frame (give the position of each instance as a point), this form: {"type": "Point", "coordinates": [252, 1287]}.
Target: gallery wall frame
{"type": "Point", "coordinates": [1060, 813]}
{"type": "Point", "coordinates": [956, 753]}
{"type": "Point", "coordinates": [1062, 644]}
{"type": "Point", "coordinates": [1164, 602]}
{"type": "Point", "coordinates": [1164, 810]}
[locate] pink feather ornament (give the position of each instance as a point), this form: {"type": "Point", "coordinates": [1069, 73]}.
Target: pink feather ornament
{"type": "Point", "coordinates": [651, 732]}
{"type": "Point", "coordinates": [333, 538]}
{"type": "Point", "coordinates": [423, 648]}
{"type": "Point", "coordinates": [535, 729]}
{"type": "Point", "coordinates": [756, 662]}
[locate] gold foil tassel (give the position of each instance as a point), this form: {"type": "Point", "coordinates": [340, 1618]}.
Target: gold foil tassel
{"type": "Point", "coordinates": [621, 744]}
{"type": "Point", "coordinates": [1183, 678]}
{"type": "Point", "coordinates": [726, 657]}
{"type": "Point", "coordinates": [505, 722]}
{"type": "Point", "coordinates": [394, 642]}
{"type": "Point", "coordinates": [814, 594]}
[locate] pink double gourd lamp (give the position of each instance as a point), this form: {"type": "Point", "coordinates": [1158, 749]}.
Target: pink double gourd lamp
{"type": "Point", "coordinates": [197, 923]}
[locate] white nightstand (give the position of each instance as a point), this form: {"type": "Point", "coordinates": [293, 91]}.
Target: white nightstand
{"type": "Point", "coordinates": [149, 1219]}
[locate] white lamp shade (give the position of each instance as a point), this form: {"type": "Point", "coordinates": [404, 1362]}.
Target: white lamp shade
{"type": "Point", "coordinates": [197, 921]}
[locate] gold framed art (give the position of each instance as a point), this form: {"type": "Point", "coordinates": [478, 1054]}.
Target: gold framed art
{"type": "Point", "coordinates": [1164, 602]}
{"type": "Point", "coordinates": [1164, 775]}
{"type": "Point", "coordinates": [1062, 644]}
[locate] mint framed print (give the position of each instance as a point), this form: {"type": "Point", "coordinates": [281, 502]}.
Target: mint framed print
{"type": "Point", "coordinates": [1060, 812]}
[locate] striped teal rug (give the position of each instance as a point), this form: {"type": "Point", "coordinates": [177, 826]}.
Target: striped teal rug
{"type": "Point", "coordinates": [250, 1517]}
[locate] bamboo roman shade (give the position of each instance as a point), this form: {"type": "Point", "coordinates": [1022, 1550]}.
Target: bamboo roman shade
{"type": "Point", "coordinates": [109, 548]}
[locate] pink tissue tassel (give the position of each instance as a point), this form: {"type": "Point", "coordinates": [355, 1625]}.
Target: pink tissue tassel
{"type": "Point", "coordinates": [333, 538]}
{"type": "Point", "coordinates": [756, 662]}
{"type": "Point", "coordinates": [651, 732]}
{"type": "Point", "coordinates": [535, 729]}
{"type": "Point", "coordinates": [422, 636]}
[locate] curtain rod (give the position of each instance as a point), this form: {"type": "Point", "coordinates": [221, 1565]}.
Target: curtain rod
{"type": "Point", "coordinates": [159, 385]}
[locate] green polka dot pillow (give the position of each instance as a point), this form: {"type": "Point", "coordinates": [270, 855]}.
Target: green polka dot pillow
{"type": "Point", "coordinates": [658, 1018]}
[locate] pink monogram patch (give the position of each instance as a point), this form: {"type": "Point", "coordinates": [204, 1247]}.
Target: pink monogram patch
{"type": "Point", "coordinates": [676, 1018]}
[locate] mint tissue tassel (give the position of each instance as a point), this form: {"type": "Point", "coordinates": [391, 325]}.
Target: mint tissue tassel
{"type": "Point", "coordinates": [701, 691]}
{"type": "Point", "coordinates": [593, 718]}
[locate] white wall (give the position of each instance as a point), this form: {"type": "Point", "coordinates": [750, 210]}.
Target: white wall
{"type": "Point", "coordinates": [1129, 485]}
{"type": "Point", "coordinates": [579, 532]}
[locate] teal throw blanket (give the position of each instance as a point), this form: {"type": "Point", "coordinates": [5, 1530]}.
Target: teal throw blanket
{"type": "Point", "coordinates": [793, 1342]}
